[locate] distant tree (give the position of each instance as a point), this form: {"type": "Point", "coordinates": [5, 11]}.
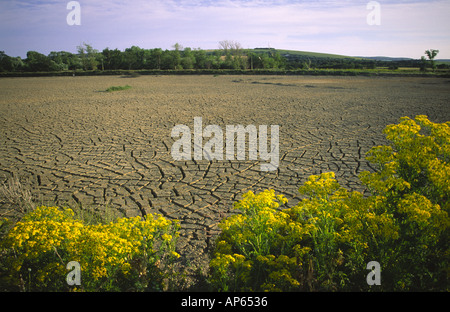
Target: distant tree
{"type": "Point", "coordinates": [100, 59]}
{"type": "Point", "coordinates": [176, 56]}
{"type": "Point", "coordinates": [171, 60]}
{"type": "Point", "coordinates": [279, 61]}
{"type": "Point", "coordinates": [65, 60]}
{"type": "Point", "coordinates": [16, 63]}
{"type": "Point", "coordinates": [154, 59]}
{"type": "Point", "coordinates": [307, 64]}
{"type": "Point", "coordinates": [251, 56]}
{"type": "Point", "coordinates": [134, 58]}
{"type": "Point", "coordinates": [37, 62]}
{"type": "Point", "coordinates": [177, 47]}
{"type": "Point", "coordinates": [188, 59]}
{"type": "Point", "coordinates": [370, 65]}
{"type": "Point", "coordinates": [431, 54]}
{"type": "Point", "coordinates": [225, 46]}
{"type": "Point", "coordinates": [112, 59]}
{"type": "Point", "coordinates": [423, 64]}
{"type": "Point", "coordinates": [239, 57]}
{"type": "Point", "coordinates": [88, 56]}
{"type": "Point", "coordinates": [393, 66]}
{"type": "Point", "coordinates": [10, 64]}
{"type": "Point", "coordinates": [234, 54]}
{"type": "Point", "coordinates": [201, 59]}
{"type": "Point", "coordinates": [3, 58]}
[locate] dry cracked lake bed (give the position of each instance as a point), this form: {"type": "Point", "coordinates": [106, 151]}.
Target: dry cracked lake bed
{"type": "Point", "coordinates": [70, 142]}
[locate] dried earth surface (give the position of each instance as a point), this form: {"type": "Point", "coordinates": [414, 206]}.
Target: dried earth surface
{"type": "Point", "coordinates": [72, 143]}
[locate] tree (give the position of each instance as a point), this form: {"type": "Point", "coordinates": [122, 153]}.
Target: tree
{"type": "Point", "coordinates": [280, 62]}
{"type": "Point", "coordinates": [154, 58]}
{"type": "Point", "coordinates": [188, 60]}
{"type": "Point", "coordinates": [423, 63]}
{"type": "Point", "coordinates": [431, 55]}
{"type": "Point", "coordinates": [37, 62]}
{"type": "Point", "coordinates": [10, 64]}
{"type": "Point", "coordinates": [88, 56]}
{"type": "Point", "coordinates": [201, 59]}
{"type": "Point", "coordinates": [177, 47]}
{"type": "Point", "coordinates": [112, 59]}
{"type": "Point", "coordinates": [134, 58]}
{"type": "Point", "coordinates": [171, 60]}
{"type": "Point", "coordinates": [65, 60]}
{"type": "Point", "coordinates": [234, 54]}
{"type": "Point", "coordinates": [225, 45]}
{"type": "Point", "coordinates": [239, 59]}
{"type": "Point", "coordinates": [176, 56]}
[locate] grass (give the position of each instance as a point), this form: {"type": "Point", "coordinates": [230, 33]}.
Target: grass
{"type": "Point", "coordinates": [15, 198]}
{"type": "Point", "coordinates": [119, 88]}
{"type": "Point", "coordinates": [16, 201]}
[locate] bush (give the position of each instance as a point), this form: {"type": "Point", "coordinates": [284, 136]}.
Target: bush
{"type": "Point", "coordinates": [325, 242]}
{"type": "Point", "coordinates": [119, 88]}
{"type": "Point", "coordinates": [129, 254]}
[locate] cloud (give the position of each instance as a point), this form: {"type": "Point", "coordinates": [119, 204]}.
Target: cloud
{"type": "Point", "coordinates": [407, 27]}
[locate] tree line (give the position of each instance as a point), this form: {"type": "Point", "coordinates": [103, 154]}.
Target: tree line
{"type": "Point", "coordinates": [230, 55]}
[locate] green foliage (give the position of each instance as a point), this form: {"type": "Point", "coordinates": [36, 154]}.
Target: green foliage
{"type": "Point", "coordinates": [431, 54]}
{"type": "Point", "coordinates": [231, 56]}
{"type": "Point", "coordinates": [112, 59]}
{"type": "Point", "coordinates": [37, 62]}
{"type": "Point", "coordinates": [10, 64]}
{"type": "Point", "coordinates": [325, 242]}
{"type": "Point", "coordinates": [118, 88]}
{"type": "Point", "coordinates": [88, 56]}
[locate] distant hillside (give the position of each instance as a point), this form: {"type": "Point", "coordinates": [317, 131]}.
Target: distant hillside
{"type": "Point", "coordinates": [294, 53]}
{"type": "Point", "coordinates": [386, 58]}
{"type": "Point", "coordinates": [397, 59]}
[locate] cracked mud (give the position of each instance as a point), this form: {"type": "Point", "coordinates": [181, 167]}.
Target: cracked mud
{"type": "Point", "coordinates": [71, 142]}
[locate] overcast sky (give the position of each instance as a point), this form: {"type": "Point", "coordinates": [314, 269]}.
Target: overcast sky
{"type": "Point", "coordinates": [407, 27]}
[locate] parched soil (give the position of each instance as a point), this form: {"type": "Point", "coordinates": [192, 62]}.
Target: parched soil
{"type": "Point", "coordinates": [71, 142]}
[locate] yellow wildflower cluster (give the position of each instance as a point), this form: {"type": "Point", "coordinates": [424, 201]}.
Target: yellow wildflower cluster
{"type": "Point", "coordinates": [326, 241]}
{"type": "Point", "coordinates": [417, 161]}
{"type": "Point", "coordinates": [45, 240]}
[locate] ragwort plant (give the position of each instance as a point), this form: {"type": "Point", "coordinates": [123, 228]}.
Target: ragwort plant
{"type": "Point", "coordinates": [130, 254]}
{"type": "Point", "coordinates": [325, 242]}
{"type": "Point", "coordinates": [413, 176]}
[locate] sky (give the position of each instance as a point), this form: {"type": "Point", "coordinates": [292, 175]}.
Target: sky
{"type": "Point", "coordinates": [406, 27]}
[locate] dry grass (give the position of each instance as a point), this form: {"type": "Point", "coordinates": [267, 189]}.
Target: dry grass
{"type": "Point", "coordinates": [15, 199]}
